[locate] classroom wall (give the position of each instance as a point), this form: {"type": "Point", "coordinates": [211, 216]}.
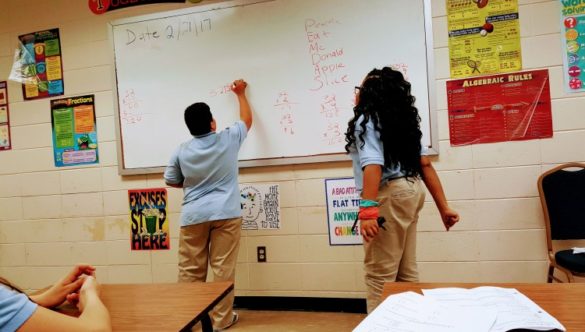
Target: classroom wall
{"type": "Point", "coordinates": [51, 218]}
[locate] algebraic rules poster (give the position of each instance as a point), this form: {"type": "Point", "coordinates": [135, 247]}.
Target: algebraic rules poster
{"type": "Point", "coordinates": [499, 108]}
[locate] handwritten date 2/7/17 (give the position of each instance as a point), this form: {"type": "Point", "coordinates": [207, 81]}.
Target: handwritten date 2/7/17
{"type": "Point", "coordinates": [175, 31]}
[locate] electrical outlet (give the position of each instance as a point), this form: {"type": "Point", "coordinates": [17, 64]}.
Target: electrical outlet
{"type": "Point", "coordinates": [261, 254]}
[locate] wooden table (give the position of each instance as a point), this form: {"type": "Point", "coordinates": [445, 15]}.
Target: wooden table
{"type": "Point", "coordinates": [162, 307]}
{"type": "Point", "coordinates": [565, 302]}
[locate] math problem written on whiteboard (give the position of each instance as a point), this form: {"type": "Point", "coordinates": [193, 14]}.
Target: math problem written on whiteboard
{"type": "Point", "coordinates": [302, 60]}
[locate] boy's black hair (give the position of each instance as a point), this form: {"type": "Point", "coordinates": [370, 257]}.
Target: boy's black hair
{"type": "Point", "coordinates": [198, 119]}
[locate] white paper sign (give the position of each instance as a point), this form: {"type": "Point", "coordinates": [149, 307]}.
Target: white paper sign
{"type": "Point", "coordinates": [343, 203]}
{"type": "Point", "coordinates": [260, 204]}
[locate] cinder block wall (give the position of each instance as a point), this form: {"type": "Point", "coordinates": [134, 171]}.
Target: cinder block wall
{"type": "Point", "coordinates": [51, 218]}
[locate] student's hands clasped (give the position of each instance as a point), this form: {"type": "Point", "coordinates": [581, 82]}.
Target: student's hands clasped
{"type": "Point", "coordinates": [89, 288]}
{"type": "Point", "coordinates": [65, 289]}
{"type": "Point", "coordinates": [239, 87]}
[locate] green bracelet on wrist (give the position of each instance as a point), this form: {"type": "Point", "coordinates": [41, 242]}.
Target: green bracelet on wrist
{"type": "Point", "coordinates": [368, 203]}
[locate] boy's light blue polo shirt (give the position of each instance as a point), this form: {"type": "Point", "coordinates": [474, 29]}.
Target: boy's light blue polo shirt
{"type": "Point", "coordinates": [207, 165]}
{"type": "Point", "coordinates": [372, 153]}
{"type": "Point", "coordinates": [15, 309]}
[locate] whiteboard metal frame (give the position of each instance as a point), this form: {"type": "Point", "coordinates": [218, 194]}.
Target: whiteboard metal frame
{"type": "Point", "coordinates": [433, 149]}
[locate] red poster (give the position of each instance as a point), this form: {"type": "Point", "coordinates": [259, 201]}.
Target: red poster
{"type": "Point", "coordinates": [498, 108]}
{"type": "Point", "coordinates": [102, 6]}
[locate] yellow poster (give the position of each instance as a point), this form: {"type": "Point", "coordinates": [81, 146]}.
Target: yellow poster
{"type": "Point", "coordinates": [31, 90]}
{"type": "Point", "coordinates": [484, 37]}
{"type": "Point", "coordinates": [54, 68]}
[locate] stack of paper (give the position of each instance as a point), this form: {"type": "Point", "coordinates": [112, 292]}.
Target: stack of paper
{"type": "Point", "coordinates": [410, 312]}
{"type": "Point", "coordinates": [492, 309]}
{"type": "Point", "coordinates": [514, 309]}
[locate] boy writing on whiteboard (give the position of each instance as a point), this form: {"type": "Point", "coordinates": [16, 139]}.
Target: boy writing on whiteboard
{"type": "Point", "coordinates": [206, 167]}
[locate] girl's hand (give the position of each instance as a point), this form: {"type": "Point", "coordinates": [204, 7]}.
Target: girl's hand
{"type": "Point", "coordinates": [450, 217]}
{"type": "Point", "coordinates": [62, 290]}
{"type": "Point", "coordinates": [369, 229]}
{"type": "Point", "coordinates": [89, 289]}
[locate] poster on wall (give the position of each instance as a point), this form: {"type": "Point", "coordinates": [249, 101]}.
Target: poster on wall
{"type": "Point", "coordinates": [74, 131]}
{"type": "Point", "coordinates": [5, 143]}
{"type": "Point", "coordinates": [103, 6]}
{"type": "Point", "coordinates": [484, 37]}
{"type": "Point", "coordinates": [343, 202]}
{"type": "Point", "coordinates": [498, 108]}
{"type": "Point", "coordinates": [573, 35]}
{"type": "Point", "coordinates": [41, 67]}
{"type": "Point", "coordinates": [260, 205]}
{"type": "Point", "coordinates": [149, 224]}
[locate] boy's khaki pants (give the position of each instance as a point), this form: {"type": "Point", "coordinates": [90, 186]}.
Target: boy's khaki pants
{"type": "Point", "coordinates": [214, 244]}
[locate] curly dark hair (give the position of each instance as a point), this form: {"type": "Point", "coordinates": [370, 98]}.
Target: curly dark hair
{"type": "Point", "coordinates": [384, 97]}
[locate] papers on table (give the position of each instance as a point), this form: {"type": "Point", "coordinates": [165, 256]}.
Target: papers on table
{"type": "Point", "coordinates": [410, 312]}
{"type": "Point", "coordinates": [577, 250]}
{"type": "Point", "coordinates": [514, 309]}
{"type": "Point", "coordinates": [492, 309]}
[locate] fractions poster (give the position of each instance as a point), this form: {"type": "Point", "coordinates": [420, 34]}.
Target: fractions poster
{"type": "Point", "coordinates": [4, 118]}
{"type": "Point", "coordinates": [484, 37]}
{"type": "Point", "coordinates": [499, 108]}
{"type": "Point", "coordinates": [573, 34]}
{"type": "Point", "coordinates": [149, 221]}
{"type": "Point", "coordinates": [343, 202]}
{"type": "Point", "coordinates": [74, 131]}
{"type": "Point", "coordinates": [42, 70]}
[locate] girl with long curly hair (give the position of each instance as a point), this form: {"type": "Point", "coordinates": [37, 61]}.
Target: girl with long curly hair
{"type": "Point", "coordinates": [383, 140]}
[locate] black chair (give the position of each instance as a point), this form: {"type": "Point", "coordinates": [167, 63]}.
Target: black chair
{"type": "Point", "coordinates": [562, 196]}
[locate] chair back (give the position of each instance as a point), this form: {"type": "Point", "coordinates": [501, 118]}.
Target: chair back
{"type": "Point", "coordinates": [562, 195]}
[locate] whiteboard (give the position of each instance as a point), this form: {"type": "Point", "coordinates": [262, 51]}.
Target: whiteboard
{"type": "Point", "coordinates": [301, 59]}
